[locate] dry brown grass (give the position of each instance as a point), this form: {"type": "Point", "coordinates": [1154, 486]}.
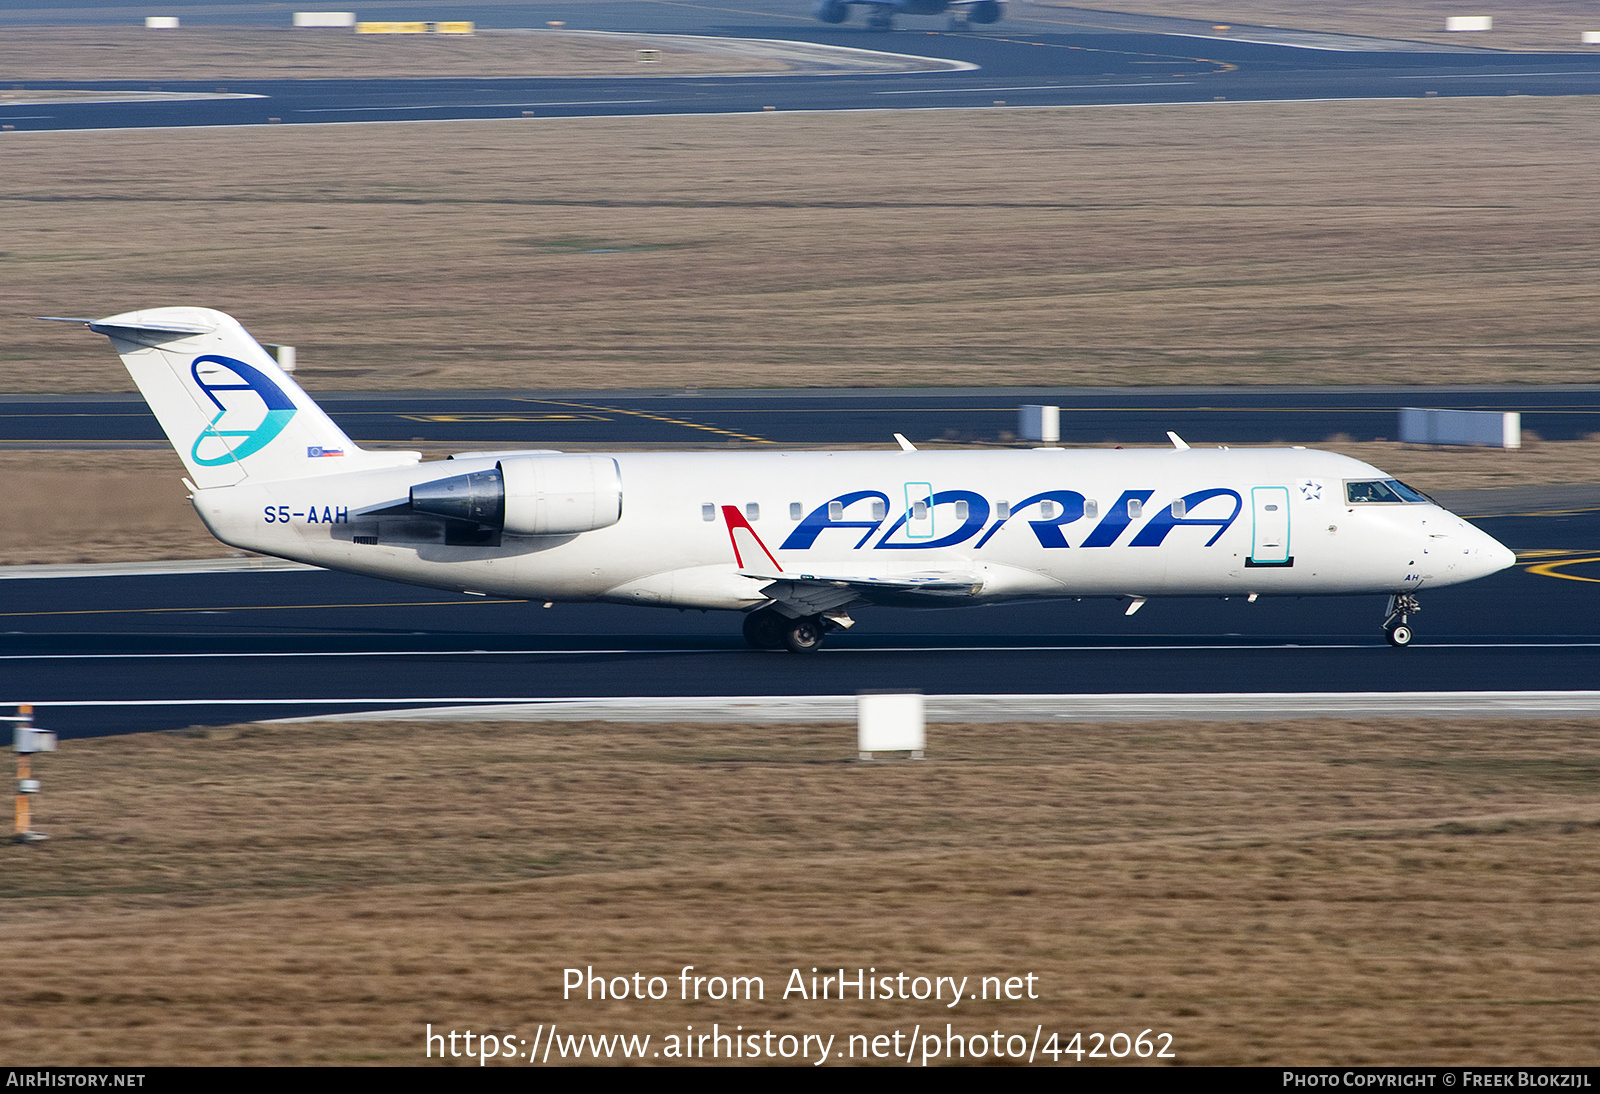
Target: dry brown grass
{"type": "Point", "coordinates": [116, 506]}
{"type": "Point", "coordinates": [131, 506]}
{"type": "Point", "coordinates": [1425, 241]}
{"type": "Point", "coordinates": [1522, 24]}
{"type": "Point", "coordinates": [253, 53]}
{"type": "Point", "coordinates": [1296, 892]}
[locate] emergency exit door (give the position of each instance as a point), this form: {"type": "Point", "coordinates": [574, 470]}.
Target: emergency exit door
{"type": "Point", "coordinates": [1270, 537]}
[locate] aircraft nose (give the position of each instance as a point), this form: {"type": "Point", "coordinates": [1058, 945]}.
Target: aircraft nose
{"type": "Point", "coordinates": [1489, 555]}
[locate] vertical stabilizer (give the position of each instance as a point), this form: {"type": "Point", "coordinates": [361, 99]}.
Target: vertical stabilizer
{"type": "Point", "coordinates": [224, 403]}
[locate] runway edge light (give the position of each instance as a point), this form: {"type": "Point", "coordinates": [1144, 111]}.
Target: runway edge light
{"type": "Point", "coordinates": [890, 721]}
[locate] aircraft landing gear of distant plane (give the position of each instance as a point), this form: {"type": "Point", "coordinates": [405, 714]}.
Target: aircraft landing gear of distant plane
{"type": "Point", "coordinates": [880, 20]}
{"type": "Point", "coordinates": [1396, 629]}
{"type": "Point", "coordinates": [958, 25]}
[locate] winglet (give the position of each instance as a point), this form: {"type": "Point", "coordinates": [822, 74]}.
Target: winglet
{"type": "Point", "coordinates": [1177, 442]}
{"type": "Point", "coordinates": [905, 445]}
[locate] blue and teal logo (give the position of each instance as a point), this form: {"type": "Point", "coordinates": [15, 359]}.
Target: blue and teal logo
{"type": "Point", "coordinates": [245, 424]}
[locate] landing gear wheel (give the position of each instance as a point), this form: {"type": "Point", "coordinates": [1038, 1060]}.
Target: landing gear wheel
{"type": "Point", "coordinates": [1397, 624]}
{"type": "Point", "coordinates": [764, 629]}
{"type": "Point", "coordinates": [805, 635]}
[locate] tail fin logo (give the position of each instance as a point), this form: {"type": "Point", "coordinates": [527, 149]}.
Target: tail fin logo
{"type": "Point", "coordinates": [251, 410]}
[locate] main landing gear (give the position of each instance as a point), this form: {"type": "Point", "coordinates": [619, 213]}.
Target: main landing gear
{"type": "Point", "coordinates": [768, 629]}
{"type": "Point", "coordinates": [1396, 628]}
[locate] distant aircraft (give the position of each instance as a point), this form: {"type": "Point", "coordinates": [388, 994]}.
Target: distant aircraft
{"type": "Point", "coordinates": [797, 541]}
{"type": "Point", "coordinates": [962, 12]}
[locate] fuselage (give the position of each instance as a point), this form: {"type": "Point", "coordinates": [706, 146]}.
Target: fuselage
{"type": "Point", "coordinates": [1022, 524]}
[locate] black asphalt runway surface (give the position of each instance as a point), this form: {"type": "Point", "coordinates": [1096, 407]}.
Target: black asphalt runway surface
{"type": "Point", "coordinates": [488, 420]}
{"type": "Point", "coordinates": [156, 652]}
{"type": "Point", "coordinates": [305, 643]}
{"type": "Point", "coordinates": [1036, 57]}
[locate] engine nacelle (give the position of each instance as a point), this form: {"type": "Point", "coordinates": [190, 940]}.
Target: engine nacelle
{"type": "Point", "coordinates": [478, 498]}
{"type": "Point", "coordinates": [560, 495]}
{"type": "Point", "coordinates": [529, 495]}
{"type": "Point", "coordinates": [831, 11]}
{"type": "Point", "coordinates": [987, 11]}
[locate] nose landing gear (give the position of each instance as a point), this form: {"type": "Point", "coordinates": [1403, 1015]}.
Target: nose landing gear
{"type": "Point", "coordinates": [1396, 628]}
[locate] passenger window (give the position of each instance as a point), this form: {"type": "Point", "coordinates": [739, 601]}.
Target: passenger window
{"type": "Point", "coordinates": [795, 510]}
{"type": "Point", "coordinates": [919, 510]}
{"type": "Point", "coordinates": [1091, 509]}
{"type": "Point", "coordinates": [708, 511]}
{"type": "Point", "coordinates": [1047, 510]}
{"type": "Point", "coordinates": [1179, 508]}
{"type": "Point", "coordinates": [879, 509]}
{"type": "Point", "coordinates": [961, 510]}
{"type": "Point", "coordinates": [752, 510]}
{"type": "Point", "coordinates": [836, 510]}
{"type": "Point", "coordinates": [1002, 509]}
{"type": "Point", "coordinates": [1135, 508]}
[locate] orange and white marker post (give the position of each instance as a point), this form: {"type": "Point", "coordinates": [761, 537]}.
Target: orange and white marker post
{"type": "Point", "coordinates": [28, 740]}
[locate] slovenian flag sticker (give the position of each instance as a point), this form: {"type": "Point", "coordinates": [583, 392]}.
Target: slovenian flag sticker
{"type": "Point", "coordinates": [315, 452]}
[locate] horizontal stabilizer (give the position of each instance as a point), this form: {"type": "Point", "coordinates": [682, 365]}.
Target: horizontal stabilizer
{"type": "Point", "coordinates": [226, 406]}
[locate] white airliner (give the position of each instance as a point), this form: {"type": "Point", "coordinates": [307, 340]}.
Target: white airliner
{"type": "Point", "coordinates": [795, 540]}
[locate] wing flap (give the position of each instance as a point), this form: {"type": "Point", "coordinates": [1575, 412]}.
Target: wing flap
{"type": "Point", "coordinates": [814, 594]}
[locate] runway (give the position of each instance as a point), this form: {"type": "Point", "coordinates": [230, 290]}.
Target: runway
{"type": "Point", "coordinates": [116, 655]}
{"type": "Point", "coordinates": [1038, 57]}
{"type": "Point", "coordinates": [1287, 415]}
{"type": "Point", "coordinates": [110, 655]}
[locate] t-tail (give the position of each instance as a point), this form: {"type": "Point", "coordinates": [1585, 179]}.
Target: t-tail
{"type": "Point", "coordinates": [224, 403]}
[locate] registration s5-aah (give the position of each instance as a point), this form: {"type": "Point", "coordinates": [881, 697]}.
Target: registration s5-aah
{"type": "Point", "coordinates": [796, 541]}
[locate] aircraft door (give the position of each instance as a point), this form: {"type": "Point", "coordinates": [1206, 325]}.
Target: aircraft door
{"type": "Point", "coordinates": [1270, 545]}
{"type": "Point", "coordinates": [919, 510]}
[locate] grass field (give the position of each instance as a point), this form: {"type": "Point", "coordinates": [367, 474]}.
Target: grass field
{"type": "Point", "coordinates": [132, 505]}
{"type": "Point", "coordinates": [1309, 892]}
{"type": "Point", "coordinates": [1410, 241]}
{"type": "Point", "coordinates": [1522, 24]}
{"type": "Point", "coordinates": [252, 53]}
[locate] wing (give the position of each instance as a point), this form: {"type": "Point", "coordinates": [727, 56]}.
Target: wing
{"type": "Point", "coordinates": [818, 594]}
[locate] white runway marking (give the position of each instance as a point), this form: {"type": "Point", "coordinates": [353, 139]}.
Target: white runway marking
{"type": "Point", "coordinates": [1497, 75]}
{"type": "Point", "coordinates": [469, 106]}
{"type": "Point", "coordinates": [1130, 707]}
{"type": "Point", "coordinates": [628, 651]}
{"type": "Point", "coordinates": [1035, 87]}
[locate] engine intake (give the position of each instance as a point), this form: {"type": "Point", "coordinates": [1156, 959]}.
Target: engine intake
{"type": "Point", "coordinates": [529, 495]}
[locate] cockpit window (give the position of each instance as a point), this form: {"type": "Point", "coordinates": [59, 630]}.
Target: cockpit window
{"type": "Point", "coordinates": [1390, 491]}
{"type": "Point", "coordinates": [1408, 493]}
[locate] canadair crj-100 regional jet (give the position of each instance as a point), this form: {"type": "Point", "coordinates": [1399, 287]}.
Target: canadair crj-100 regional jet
{"type": "Point", "coordinates": [794, 540]}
